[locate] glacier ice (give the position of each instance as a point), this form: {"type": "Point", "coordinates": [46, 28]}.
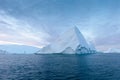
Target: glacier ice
{"type": "Point", "coordinates": [70, 42]}
{"type": "Point", "coordinates": [113, 50]}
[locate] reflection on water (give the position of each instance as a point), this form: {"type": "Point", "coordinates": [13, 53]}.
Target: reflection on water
{"type": "Point", "coordinates": [60, 67]}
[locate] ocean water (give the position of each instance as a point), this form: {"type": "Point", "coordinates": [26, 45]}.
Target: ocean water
{"type": "Point", "coordinates": [60, 67]}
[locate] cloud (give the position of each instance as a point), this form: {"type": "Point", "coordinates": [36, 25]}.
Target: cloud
{"type": "Point", "coordinates": [13, 30]}
{"type": "Point", "coordinates": [97, 20]}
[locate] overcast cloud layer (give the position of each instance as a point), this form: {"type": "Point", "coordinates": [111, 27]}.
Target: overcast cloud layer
{"type": "Point", "coordinates": [38, 22]}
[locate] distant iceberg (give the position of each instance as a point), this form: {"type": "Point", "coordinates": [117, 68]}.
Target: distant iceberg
{"type": "Point", "coordinates": [17, 49]}
{"type": "Point", "coordinates": [70, 42]}
{"type": "Point", "coordinates": [112, 50]}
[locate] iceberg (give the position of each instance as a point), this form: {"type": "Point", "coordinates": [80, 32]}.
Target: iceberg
{"type": "Point", "coordinates": [18, 49]}
{"type": "Point", "coordinates": [70, 42]}
{"type": "Point", "coordinates": [112, 50]}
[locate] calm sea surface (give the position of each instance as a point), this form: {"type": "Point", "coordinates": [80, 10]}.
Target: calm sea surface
{"type": "Point", "coordinates": [60, 67]}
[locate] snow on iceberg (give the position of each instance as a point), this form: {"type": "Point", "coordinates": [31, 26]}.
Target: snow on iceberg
{"type": "Point", "coordinates": [70, 42]}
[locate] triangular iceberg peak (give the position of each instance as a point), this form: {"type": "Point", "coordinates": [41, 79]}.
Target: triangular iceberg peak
{"type": "Point", "coordinates": [70, 42]}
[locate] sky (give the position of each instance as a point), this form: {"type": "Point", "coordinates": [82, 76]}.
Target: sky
{"type": "Point", "coordinates": [39, 22]}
